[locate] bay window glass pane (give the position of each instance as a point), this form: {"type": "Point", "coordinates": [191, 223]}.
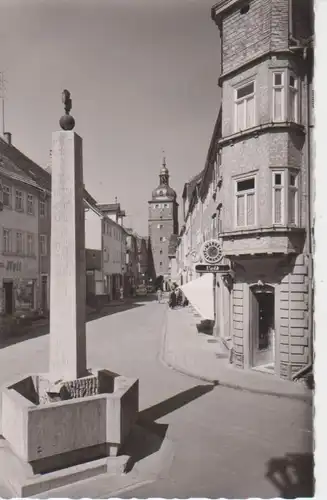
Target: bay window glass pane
{"type": "Point", "coordinates": [278, 206]}
{"type": "Point", "coordinates": [292, 206]}
{"type": "Point", "coordinates": [240, 210]}
{"type": "Point", "coordinates": [250, 209]}
{"type": "Point", "coordinates": [278, 110]}
{"type": "Point", "coordinates": [277, 78]}
{"type": "Point", "coordinates": [240, 115]}
{"type": "Point", "coordinates": [250, 112]}
{"type": "Point", "coordinates": [292, 106]}
{"type": "Point", "coordinates": [245, 185]}
{"type": "Point", "coordinates": [246, 90]}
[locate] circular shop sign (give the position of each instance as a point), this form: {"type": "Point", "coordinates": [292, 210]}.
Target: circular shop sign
{"type": "Point", "coordinates": [212, 252]}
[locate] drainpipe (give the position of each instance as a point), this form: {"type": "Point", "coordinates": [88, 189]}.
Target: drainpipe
{"type": "Point", "coordinates": [308, 86]}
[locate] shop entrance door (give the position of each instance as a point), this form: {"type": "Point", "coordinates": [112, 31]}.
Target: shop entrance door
{"type": "Point", "coordinates": [8, 287]}
{"type": "Point", "coordinates": [262, 327]}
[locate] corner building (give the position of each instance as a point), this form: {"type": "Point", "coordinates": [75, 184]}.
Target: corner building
{"type": "Point", "coordinates": [163, 222]}
{"type": "Point", "coordinates": [266, 164]}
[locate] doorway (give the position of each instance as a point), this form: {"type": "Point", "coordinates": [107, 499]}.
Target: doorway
{"type": "Point", "coordinates": [262, 327]}
{"type": "Point", "coordinates": [44, 293]}
{"type": "Point", "coordinates": [8, 287]}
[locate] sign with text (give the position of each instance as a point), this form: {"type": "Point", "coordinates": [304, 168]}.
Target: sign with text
{"type": "Point", "coordinates": [212, 268]}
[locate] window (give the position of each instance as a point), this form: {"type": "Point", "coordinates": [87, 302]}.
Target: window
{"type": "Point", "coordinates": [285, 104]}
{"type": "Point", "coordinates": [292, 198]}
{"type": "Point", "coordinates": [30, 244]}
{"type": "Point", "coordinates": [292, 98]}
{"type": "Point", "coordinates": [160, 252]}
{"type": "Point", "coordinates": [244, 107]}
{"type": "Point", "coordinates": [43, 212]}
{"type": "Point", "coordinates": [19, 243]}
{"type": "Point", "coordinates": [161, 238]}
{"type": "Point", "coordinates": [19, 201]}
{"type": "Point", "coordinates": [160, 264]}
{"type": "Point", "coordinates": [6, 240]}
{"type": "Point", "coordinates": [278, 198]}
{"type": "Point", "coordinates": [245, 202]}
{"type": "Point", "coordinates": [160, 226]}
{"type": "Point", "coordinates": [30, 204]}
{"type": "Point", "coordinates": [43, 244]}
{"type": "Point", "coordinates": [7, 196]}
{"type": "Point", "coordinates": [278, 97]}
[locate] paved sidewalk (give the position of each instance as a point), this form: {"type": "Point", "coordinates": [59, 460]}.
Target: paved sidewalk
{"type": "Point", "coordinates": [194, 354]}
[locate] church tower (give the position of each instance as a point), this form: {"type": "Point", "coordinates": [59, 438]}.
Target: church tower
{"type": "Point", "coordinates": [163, 222]}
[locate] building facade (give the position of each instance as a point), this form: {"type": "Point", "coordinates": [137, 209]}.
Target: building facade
{"type": "Point", "coordinates": [105, 242]}
{"type": "Point", "coordinates": [19, 241]}
{"type": "Point", "coordinates": [265, 149]}
{"type": "Point", "coordinates": [162, 223]}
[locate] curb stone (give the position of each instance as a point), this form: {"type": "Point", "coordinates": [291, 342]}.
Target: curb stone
{"type": "Point", "coordinates": [173, 366]}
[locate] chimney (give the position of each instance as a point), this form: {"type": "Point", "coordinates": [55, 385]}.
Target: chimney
{"type": "Point", "coordinates": [7, 137]}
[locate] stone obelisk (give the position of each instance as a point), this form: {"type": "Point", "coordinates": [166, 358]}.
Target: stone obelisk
{"type": "Point", "coordinates": [67, 290]}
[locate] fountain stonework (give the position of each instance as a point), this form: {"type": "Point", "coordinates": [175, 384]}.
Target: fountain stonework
{"type": "Point", "coordinates": [69, 424]}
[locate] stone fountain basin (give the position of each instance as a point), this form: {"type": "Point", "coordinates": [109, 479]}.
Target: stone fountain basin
{"type": "Point", "coordinates": [54, 435]}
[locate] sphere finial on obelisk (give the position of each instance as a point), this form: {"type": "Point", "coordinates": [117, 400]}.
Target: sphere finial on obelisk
{"type": "Point", "coordinates": [67, 122]}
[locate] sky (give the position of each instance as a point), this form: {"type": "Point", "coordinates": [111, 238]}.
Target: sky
{"type": "Point", "coordinates": [143, 78]}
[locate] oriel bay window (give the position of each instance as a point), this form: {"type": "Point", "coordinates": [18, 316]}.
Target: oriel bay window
{"type": "Point", "coordinates": [245, 202]}
{"type": "Point", "coordinates": [278, 198]}
{"type": "Point", "coordinates": [285, 202]}
{"type": "Point", "coordinates": [285, 98]}
{"type": "Point", "coordinates": [244, 107]}
{"type": "Point", "coordinates": [293, 204]}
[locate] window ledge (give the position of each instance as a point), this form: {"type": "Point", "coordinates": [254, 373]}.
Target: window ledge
{"type": "Point", "coordinates": [264, 240]}
{"type": "Point", "coordinates": [258, 231]}
{"type": "Point", "coordinates": [260, 129]}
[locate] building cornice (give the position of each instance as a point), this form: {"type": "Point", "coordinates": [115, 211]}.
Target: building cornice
{"type": "Point", "coordinates": [231, 139]}
{"type": "Point", "coordinates": [221, 7]}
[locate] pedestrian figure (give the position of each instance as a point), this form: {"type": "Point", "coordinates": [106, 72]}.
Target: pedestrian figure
{"type": "Point", "coordinates": [159, 295]}
{"type": "Point", "coordinates": [121, 293]}
{"type": "Point", "coordinates": [172, 299]}
{"type": "Point", "coordinates": [179, 297]}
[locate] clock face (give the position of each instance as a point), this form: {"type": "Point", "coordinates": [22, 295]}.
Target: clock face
{"type": "Point", "coordinates": [212, 252]}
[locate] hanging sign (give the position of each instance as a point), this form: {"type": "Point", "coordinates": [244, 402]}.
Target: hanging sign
{"type": "Point", "coordinates": [212, 252]}
{"type": "Point", "coordinates": [212, 268]}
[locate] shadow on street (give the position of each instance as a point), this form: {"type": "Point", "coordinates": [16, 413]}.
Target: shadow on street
{"type": "Point", "coordinates": [41, 327]}
{"type": "Point", "coordinates": [174, 403]}
{"type": "Point", "coordinates": [147, 435]}
{"type": "Point", "coordinates": [292, 475]}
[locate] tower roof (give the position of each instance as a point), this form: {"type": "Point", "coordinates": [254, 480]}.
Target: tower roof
{"type": "Point", "coordinates": [164, 191]}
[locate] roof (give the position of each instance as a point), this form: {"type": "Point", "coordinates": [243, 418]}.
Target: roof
{"type": "Point", "coordinates": [39, 175]}
{"type": "Point", "coordinates": [190, 185]}
{"type": "Point", "coordinates": [9, 170]}
{"type": "Point", "coordinates": [212, 148]}
{"type": "Point", "coordinates": [111, 208]}
{"type": "Point", "coordinates": [173, 244]}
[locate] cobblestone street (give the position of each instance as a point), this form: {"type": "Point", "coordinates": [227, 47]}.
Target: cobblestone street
{"type": "Point", "coordinates": [219, 442]}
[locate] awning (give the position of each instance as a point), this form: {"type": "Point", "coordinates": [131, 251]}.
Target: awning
{"type": "Point", "coordinates": [200, 294]}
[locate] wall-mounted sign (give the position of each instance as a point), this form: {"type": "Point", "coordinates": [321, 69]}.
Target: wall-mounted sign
{"type": "Point", "coordinates": [212, 268]}
{"type": "Point", "coordinates": [212, 252]}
